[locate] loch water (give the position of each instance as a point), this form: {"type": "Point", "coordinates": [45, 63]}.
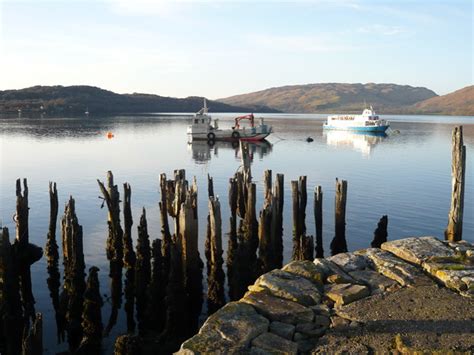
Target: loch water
{"type": "Point", "coordinates": [405, 175]}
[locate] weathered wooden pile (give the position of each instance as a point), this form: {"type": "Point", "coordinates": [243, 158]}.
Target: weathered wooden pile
{"type": "Point", "coordinates": [16, 296]}
{"type": "Point", "coordinates": [163, 286]}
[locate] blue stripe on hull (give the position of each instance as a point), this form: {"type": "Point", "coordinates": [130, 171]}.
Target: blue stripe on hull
{"type": "Point", "coordinates": [359, 129]}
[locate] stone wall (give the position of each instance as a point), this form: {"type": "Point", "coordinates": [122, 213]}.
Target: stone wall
{"type": "Point", "coordinates": [288, 310]}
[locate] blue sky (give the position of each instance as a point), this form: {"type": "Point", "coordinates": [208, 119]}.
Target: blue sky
{"type": "Point", "coordinates": [221, 48]}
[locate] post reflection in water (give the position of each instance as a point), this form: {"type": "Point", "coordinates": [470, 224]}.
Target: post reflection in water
{"type": "Point", "coordinates": [363, 142]}
{"type": "Point", "coordinates": [202, 151]}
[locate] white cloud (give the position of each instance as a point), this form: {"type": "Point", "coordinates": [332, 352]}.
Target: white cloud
{"type": "Point", "coordinates": [382, 29]}
{"type": "Point", "coordinates": [298, 44]}
{"type": "Point", "coordinates": [142, 7]}
{"type": "Point", "coordinates": [166, 7]}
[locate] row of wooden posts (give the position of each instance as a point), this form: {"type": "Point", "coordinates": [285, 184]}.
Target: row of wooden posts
{"type": "Point", "coordinates": [163, 286]}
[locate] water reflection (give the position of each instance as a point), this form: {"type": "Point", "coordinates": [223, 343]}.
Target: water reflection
{"type": "Point", "coordinates": [363, 142]}
{"type": "Point", "coordinates": [203, 151]}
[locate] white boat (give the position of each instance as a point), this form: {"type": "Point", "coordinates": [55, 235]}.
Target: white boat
{"type": "Point", "coordinates": [367, 122]}
{"type": "Point", "coordinates": [204, 128]}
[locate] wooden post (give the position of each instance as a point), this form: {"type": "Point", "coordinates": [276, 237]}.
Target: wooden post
{"type": "Point", "coordinates": [13, 321]}
{"type": "Point", "coordinates": [241, 194]}
{"type": "Point", "coordinates": [52, 256]}
{"type": "Point", "coordinates": [277, 220]}
{"type": "Point", "coordinates": [165, 229]}
{"type": "Point", "coordinates": [92, 316]}
{"type": "Point", "coordinates": [74, 266]}
{"type": "Point", "coordinates": [216, 276]}
{"type": "Point", "coordinates": [251, 225]}
{"type": "Point", "coordinates": [453, 232]}
{"type": "Point", "coordinates": [267, 186]}
{"type": "Point", "coordinates": [114, 246]}
{"type": "Point", "coordinates": [339, 244]}
{"type": "Point", "coordinates": [25, 253]}
{"type": "Point", "coordinates": [129, 258]}
{"type": "Point", "coordinates": [249, 243]}
{"type": "Point", "coordinates": [180, 189]}
{"type": "Point", "coordinates": [175, 332]}
{"type": "Point", "coordinates": [267, 238]}
{"type": "Point", "coordinates": [303, 202]}
{"type": "Point", "coordinates": [302, 244]}
{"type": "Point", "coordinates": [210, 186]}
{"type": "Point", "coordinates": [266, 255]}
{"type": "Point", "coordinates": [192, 264]}
{"type": "Point", "coordinates": [207, 245]}
{"type": "Point", "coordinates": [142, 271]}
{"type": "Point", "coordinates": [127, 344]}
{"type": "Point", "coordinates": [156, 306]}
{"type": "Point", "coordinates": [296, 226]}
{"type": "Point", "coordinates": [231, 260]}
{"type": "Point", "coordinates": [245, 157]}
{"type": "Point", "coordinates": [33, 338]}
{"type": "Point", "coordinates": [380, 233]}
{"type": "Point", "coordinates": [318, 218]}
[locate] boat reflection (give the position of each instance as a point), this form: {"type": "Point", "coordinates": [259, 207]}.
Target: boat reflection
{"type": "Point", "coordinates": [203, 151]}
{"type": "Point", "coordinates": [363, 142]}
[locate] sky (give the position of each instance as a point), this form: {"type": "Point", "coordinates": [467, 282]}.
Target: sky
{"type": "Point", "coordinates": [222, 48]}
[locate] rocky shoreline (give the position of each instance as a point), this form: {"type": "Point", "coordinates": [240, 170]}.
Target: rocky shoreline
{"type": "Point", "coordinates": [399, 297]}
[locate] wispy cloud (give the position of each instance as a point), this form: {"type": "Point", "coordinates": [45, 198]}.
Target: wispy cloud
{"type": "Point", "coordinates": [166, 7]}
{"type": "Point", "coordinates": [143, 7]}
{"type": "Point", "coordinates": [297, 44]}
{"type": "Point", "coordinates": [382, 30]}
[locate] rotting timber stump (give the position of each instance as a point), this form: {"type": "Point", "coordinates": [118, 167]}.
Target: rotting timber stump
{"type": "Point", "coordinates": [114, 245]}
{"type": "Point", "coordinates": [339, 244]}
{"type": "Point", "coordinates": [453, 231]}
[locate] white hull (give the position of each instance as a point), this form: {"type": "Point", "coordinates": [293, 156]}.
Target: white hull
{"type": "Point", "coordinates": [229, 134]}
{"type": "Point", "coordinates": [367, 122]}
{"type": "Point", "coordinates": [202, 129]}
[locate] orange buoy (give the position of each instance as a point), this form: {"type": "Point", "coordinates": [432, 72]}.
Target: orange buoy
{"type": "Point", "coordinates": [110, 135]}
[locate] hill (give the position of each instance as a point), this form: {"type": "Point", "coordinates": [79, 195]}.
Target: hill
{"type": "Point", "coordinates": [75, 100]}
{"type": "Point", "coordinates": [460, 102]}
{"type": "Point", "coordinates": [334, 97]}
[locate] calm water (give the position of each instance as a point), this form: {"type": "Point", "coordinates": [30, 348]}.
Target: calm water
{"type": "Point", "coordinates": [404, 175]}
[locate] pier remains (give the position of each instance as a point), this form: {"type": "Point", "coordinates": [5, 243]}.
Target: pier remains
{"type": "Point", "coordinates": [407, 295]}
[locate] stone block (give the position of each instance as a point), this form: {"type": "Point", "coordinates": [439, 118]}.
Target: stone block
{"type": "Point", "coordinates": [333, 273]}
{"type": "Point", "coordinates": [289, 286]}
{"type": "Point", "coordinates": [284, 330]}
{"type": "Point", "coordinates": [350, 261]}
{"type": "Point", "coordinates": [418, 249]}
{"type": "Point", "coordinates": [321, 309]}
{"type": "Point", "coordinates": [275, 344]}
{"type": "Point", "coordinates": [396, 269]}
{"type": "Point", "coordinates": [455, 278]}
{"type": "Point", "coordinates": [306, 269]}
{"type": "Point", "coordinates": [339, 322]}
{"type": "Point", "coordinates": [232, 328]}
{"type": "Point", "coordinates": [373, 279]}
{"type": "Point", "coordinates": [321, 321]}
{"type": "Point", "coordinates": [346, 293]}
{"type": "Point", "coordinates": [278, 309]}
